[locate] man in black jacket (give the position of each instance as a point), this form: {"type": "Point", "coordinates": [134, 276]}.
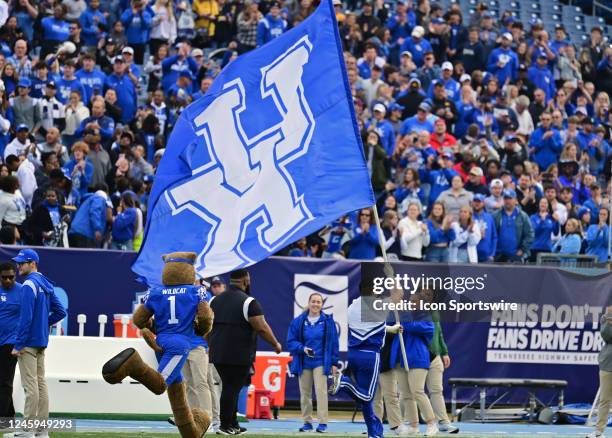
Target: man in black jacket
{"type": "Point", "coordinates": [233, 342]}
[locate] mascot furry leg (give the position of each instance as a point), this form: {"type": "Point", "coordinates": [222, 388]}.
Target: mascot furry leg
{"type": "Point", "coordinates": [192, 423]}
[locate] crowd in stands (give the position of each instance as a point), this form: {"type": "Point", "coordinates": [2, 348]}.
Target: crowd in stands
{"type": "Point", "coordinates": [486, 140]}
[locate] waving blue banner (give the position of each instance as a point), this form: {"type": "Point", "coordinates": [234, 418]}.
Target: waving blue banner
{"type": "Point", "coordinates": [270, 154]}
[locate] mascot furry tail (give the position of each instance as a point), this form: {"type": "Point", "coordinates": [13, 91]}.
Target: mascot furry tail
{"type": "Point", "coordinates": [192, 423]}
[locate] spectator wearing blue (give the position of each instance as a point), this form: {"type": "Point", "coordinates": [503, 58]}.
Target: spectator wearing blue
{"type": "Point", "coordinates": [40, 309]}
{"type": "Point", "coordinates": [483, 115]}
{"type": "Point", "coordinates": [452, 86]}
{"type": "Point", "coordinates": [544, 224]}
{"type": "Point", "coordinates": [271, 26]}
{"type": "Point", "coordinates": [440, 179]}
{"type": "Point", "coordinates": [595, 202]}
{"type": "Point", "coordinates": [383, 127]}
{"type": "Point", "coordinates": [597, 236]}
{"type": "Point", "coordinates": [541, 76]}
{"type": "Point", "coordinates": [503, 62]}
{"type": "Point", "coordinates": [401, 23]}
{"type": "Point", "coordinates": [417, 45]}
{"type": "Point", "coordinates": [571, 241]}
{"type": "Point", "coordinates": [182, 85]}
{"type": "Point", "coordinates": [440, 234]}
{"type": "Point", "coordinates": [125, 89]}
{"type": "Point", "coordinates": [92, 80]}
{"type": "Point", "coordinates": [312, 340]}
{"type": "Point", "coordinates": [55, 30]}
{"type": "Point", "coordinates": [68, 82]}
{"type": "Point", "coordinates": [80, 168]}
{"type": "Point", "coordinates": [514, 231]}
{"type": "Point", "coordinates": [124, 224]}
{"type": "Point", "coordinates": [137, 20]}
{"type": "Point", "coordinates": [419, 122]}
{"type": "Point", "coordinates": [488, 231]}
{"type": "Point", "coordinates": [94, 24]}
{"type": "Point", "coordinates": [561, 40]}
{"type": "Point", "coordinates": [546, 142]}
{"type": "Point", "coordinates": [10, 310]}
{"type": "Point", "coordinates": [173, 65]}
{"type": "Point", "coordinates": [89, 222]}
{"type": "Point", "coordinates": [105, 124]}
{"type": "Point", "coordinates": [365, 239]}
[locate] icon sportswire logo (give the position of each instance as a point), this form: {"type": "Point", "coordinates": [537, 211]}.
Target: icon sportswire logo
{"type": "Point", "coordinates": [250, 170]}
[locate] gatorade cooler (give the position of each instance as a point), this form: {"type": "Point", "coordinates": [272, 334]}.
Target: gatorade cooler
{"type": "Point", "coordinates": [132, 330]}
{"type": "Point", "coordinates": [263, 404]}
{"type": "Point", "coordinates": [271, 375]}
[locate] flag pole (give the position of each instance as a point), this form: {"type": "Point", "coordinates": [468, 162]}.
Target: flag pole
{"type": "Point", "coordinates": [381, 241]}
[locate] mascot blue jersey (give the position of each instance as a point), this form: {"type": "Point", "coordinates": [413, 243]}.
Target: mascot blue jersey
{"type": "Point", "coordinates": [175, 308]}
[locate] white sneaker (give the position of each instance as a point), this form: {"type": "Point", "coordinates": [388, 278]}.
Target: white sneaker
{"type": "Point", "coordinates": [21, 434]}
{"type": "Point", "coordinates": [596, 435]}
{"type": "Point", "coordinates": [447, 428]}
{"type": "Point", "coordinates": [412, 431]}
{"type": "Point", "coordinates": [399, 430]}
{"type": "Point", "coordinates": [432, 430]}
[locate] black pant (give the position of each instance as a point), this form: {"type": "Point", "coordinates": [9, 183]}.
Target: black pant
{"type": "Point", "coordinates": [80, 241]}
{"type": "Point", "coordinates": [7, 374]}
{"type": "Point", "coordinates": [233, 378]}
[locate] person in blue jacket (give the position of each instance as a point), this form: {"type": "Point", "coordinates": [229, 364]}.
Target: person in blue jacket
{"type": "Point", "coordinates": [451, 85]}
{"type": "Point", "coordinates": [55, 30]}
{"type": "Point", "coordinates": [124, 224]}
{"type": "Point", "coordinates": [439, 179]}
{"type": "Point", "coordinates": [365, 239]}
{"type": "Point", "coordinates": [597, 236]}
{"type": "Point", "coordinates": [138, 21]}
{"type": "Point", "coordinates": [541, 76]}
{"type": "Point", "coordinates": [91, 79]}
{"type": "Point", "coordinates": [417, 335]}
{"type": "Point", "coordinates": [312, 340]}
{"type": "Point", "coordinates": [545, 224]}
{"type": "Point", "coordinates": [417, 45]}
{"type": "Point", "coordinates": [440, 234]}
{"type": "Point", "coordinates": [40, 309]}
{"type": "Point", "coordinates": [93, 22]}
{"type": "Point", "coordinates": [503, 61]}
{"type": "Point", "coordinates": [546, 142]}
{"type": "Point", "coordinates": [571, 242]}
{"type": "Point", "coordinates": [488, 231]}
{"type": "Point", "coordinates": [173, 65]}
{"type": "Point", "coordinates": [271, 26]}
{"type": "Point", "coordinates": [125, 89]}
{"type": "Point", "coordinates": [89, 222]}
{"type": "Point", "coordinates": [10, 310]}
{"type": "Point", "coordinates": [80, 168]}
{"type": "Point", "coordinates": [97, 120]}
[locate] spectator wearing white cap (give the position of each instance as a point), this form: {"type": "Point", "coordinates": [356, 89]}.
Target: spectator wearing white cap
{"type": "Point", "coordinates": [495, 201]}
{"type": "Point", "coordinates": [451, 85]}
{"type": "Point", "coordinates": [132, 70]}
{"type": "Point", "coordinates": [503, 62]}
{"type": "Point", "coordinates": [475, 182]}
{"type": "Point", "coordinates": [383, 127]}
{"type": "Point", "coordinates": [417, 45]}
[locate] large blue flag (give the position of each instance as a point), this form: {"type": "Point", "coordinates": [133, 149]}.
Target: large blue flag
{"type": "Point", "coordinates": [270, 154]}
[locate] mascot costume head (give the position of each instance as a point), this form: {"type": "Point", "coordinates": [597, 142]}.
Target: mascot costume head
{"type": "Point", "coordinates": [178, 271]}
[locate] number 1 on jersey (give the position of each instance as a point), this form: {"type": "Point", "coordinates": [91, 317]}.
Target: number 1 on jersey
{"type": "Point", "coordinates": [172, 319]}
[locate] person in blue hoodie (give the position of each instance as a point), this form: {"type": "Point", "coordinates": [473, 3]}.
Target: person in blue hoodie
{"type": "Point", "coordinates": [545, 224]}
{"type": "Point", "coordinates": [488, 232]}
{"type": "Point", "coordinates": [439, 179]}
{"type": "Point", "coordinates": [417, 335]}
{"type": "Point", "coordinates": [546, 142]}
{"type": "Point", "coordinates": [124, 224]}
{"type": "Point", "coordinates": [271, 26]}
{"type": "Point", "coordinates": [93, 22]}
{"type": "Point", "coordinates": [10, 310]}
{"type": "Point", "coordinates": [91, 79]}
{"type": "Point", "coordinates": [514, 231]}
{"type": "Point", "coordinates": [541, 76]}
{"type": "Point", "coordinates": [452, 86]}
{"type": "Point", "coordinates": [40, 310]}
{"type": "Point", "coordinates": [172, 66]}
{"type": "Point", "coordinates": [138, 21]}
{"type": "Point", "coordinates": [503, 61]}
{"type": "Point", "coordinates": [597, 236]}
{"type": "Point", "coordinates": [365, 239]}
{"type": "Point", "coordinates": [89, 222]}
{"type": "Point", "coordinates": [125, 89]}
{"type": "Point", "coordinates": [417, 45]}
{"type": "Point", "coordinates": [312, 340]}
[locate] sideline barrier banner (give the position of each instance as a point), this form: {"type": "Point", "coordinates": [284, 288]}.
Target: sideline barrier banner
{"type": "Point", "coordinates": [556, 340]}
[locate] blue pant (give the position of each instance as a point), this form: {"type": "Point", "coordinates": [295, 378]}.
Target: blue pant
{"type": "Point", "coordinates": [365, 368]}
{"type": "Point", "coordinates": [171, 360]}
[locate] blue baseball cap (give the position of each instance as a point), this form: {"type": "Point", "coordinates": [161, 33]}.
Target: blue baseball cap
{"type": "Point", "coordinates": [438, 21]}
{"type": "Point", "coordinates": [509, 193]}
{"type": "Point", "coordinates": [22, 127]}
{"type": "Point", "coordinates": [26, 255]}
{"type": "Point", "coordinates": [396, 107]}
{"type": "Point", "coordinates": [51, 84]}
{"type": "Point", "coordinates": [479, 197]}
{"type": "Point", "coordinates": [582, 211]}
{"type": "Point", "coordinates": [24, 82]}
